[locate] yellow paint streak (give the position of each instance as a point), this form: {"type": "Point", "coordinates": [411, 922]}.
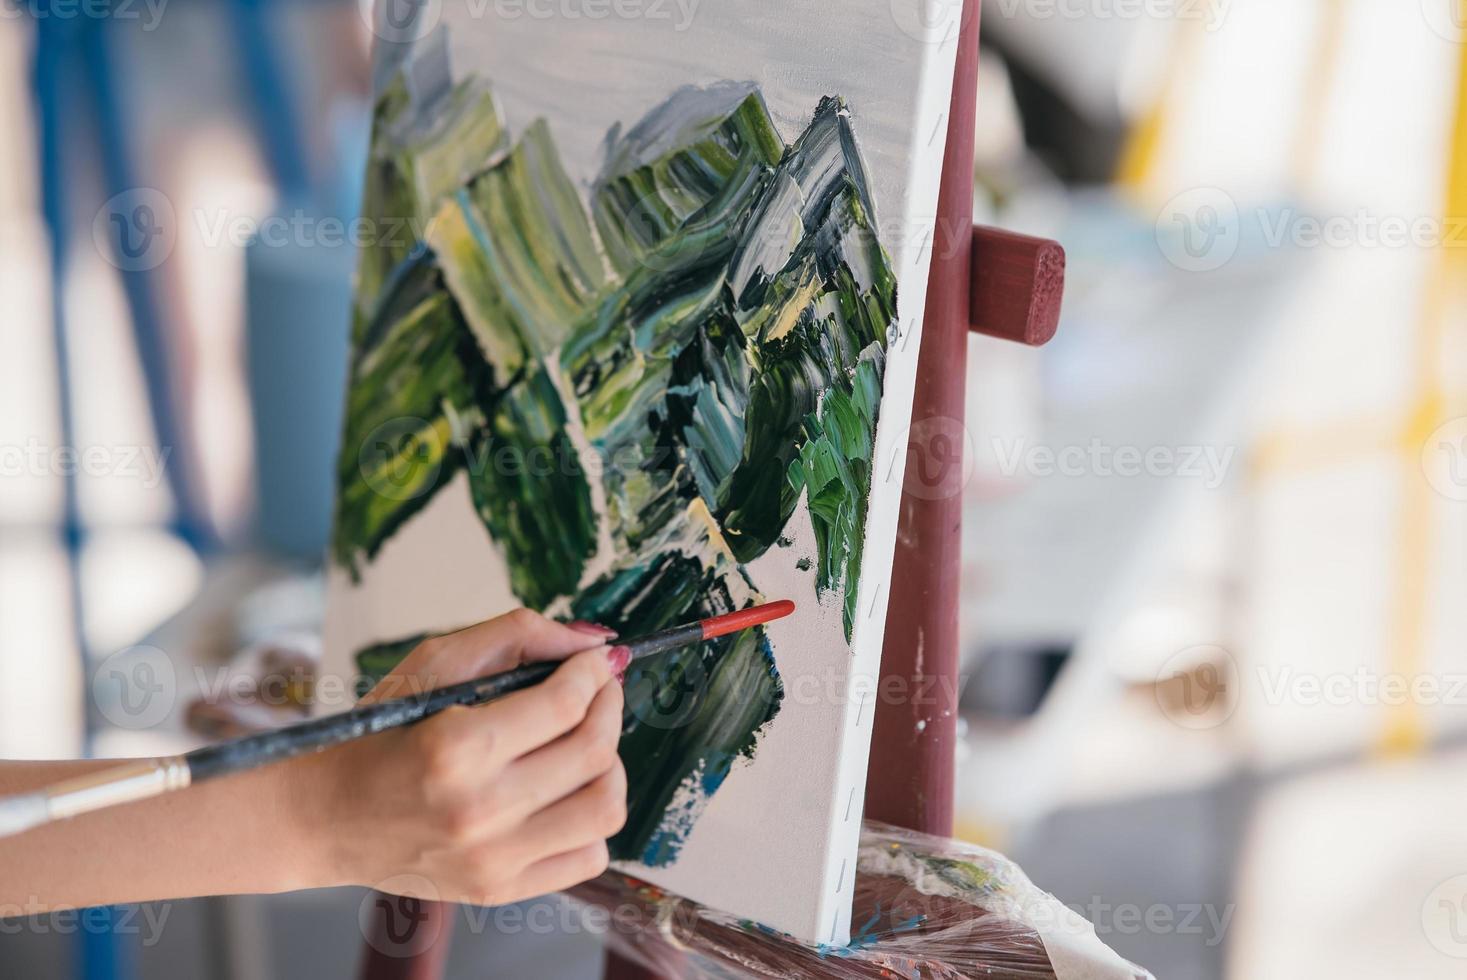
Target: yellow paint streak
{"type": "Point", "coordinates": [790, 314]}
{"type": "Point", "coordinates": [1457, 169]}
{"type": "Point", "coordinates": [698, 512]}
{"type": "Point", "coordinates": [1405, 728]}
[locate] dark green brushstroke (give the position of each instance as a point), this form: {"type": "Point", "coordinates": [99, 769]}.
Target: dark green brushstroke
{"type": "Point", "coordinates": [729, 366]}
{"type": "Point", "coordinates": [690, 713]}
{"type": "Point", "coordinates": [717, 697]}
{"type": "Point", "coordinates": [514, 260]}
{"type": "Point", "coordinates": [531, 494]}
{"type": "Point", "coordinates": [820, 180]}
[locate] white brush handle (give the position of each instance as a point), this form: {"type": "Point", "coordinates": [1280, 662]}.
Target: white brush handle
{"type": "Point", "coordinates": [125, 783]}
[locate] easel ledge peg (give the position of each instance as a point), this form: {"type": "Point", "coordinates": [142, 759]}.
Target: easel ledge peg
{"type": "Point", "coordinates": [1017, 285]}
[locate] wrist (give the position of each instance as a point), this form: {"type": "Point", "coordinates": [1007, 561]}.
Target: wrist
{"type": "Point", "coordinates": [305, 801]}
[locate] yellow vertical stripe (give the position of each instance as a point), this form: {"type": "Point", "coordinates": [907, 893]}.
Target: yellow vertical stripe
{"type": "Point", "coordinates": [1405, 729]}
{"type": "Point", "coordinates": [1457, 171]}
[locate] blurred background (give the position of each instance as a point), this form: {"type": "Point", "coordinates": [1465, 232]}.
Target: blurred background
{"type": "Point", "coordinates": [1215, 688]}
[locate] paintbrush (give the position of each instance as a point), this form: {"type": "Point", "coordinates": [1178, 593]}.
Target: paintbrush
{"type": "Point", "coordinates": [131, 781]}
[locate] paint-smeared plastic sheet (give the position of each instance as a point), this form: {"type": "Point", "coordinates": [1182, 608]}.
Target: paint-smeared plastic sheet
{"type": "Point", "coordinates": [925, 907]}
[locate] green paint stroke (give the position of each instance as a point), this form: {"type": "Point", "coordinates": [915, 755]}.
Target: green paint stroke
{"type": "Point", "coordinates": [518, 254]}
{"type": "Point", "coordinates": [411, 398]}
{"type": "Point", "coordinates": [815, 290]}
{"type": "Point", "coordinates": [686, 163]}
{"type": "Point", "coordinates": [529, 490]}
{"type": "Point", "coordinates": [834, 470]}
{"type": "Point", "coordinates": [690, 714]}
{"type": "Point", "coordinates": [713, 325]}
{"type": "Point", "coordinates": [416, 159]}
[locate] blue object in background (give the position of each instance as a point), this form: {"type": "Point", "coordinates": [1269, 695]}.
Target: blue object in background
{"type": "Point", "coordinates": [298, 327]}
{"type": "Point", "coordinates": [298, 299]}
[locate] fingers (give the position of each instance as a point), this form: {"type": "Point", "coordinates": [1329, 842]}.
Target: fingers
{"type": "Point", "coordinates": [540, 778]}
{"type": "Point", "coordinates": [491, 647]}
{"type": "Point", "coordinates": [505, 642]}
{"type": "Point", "coordinates": [586, 816]}
{"type": "Point", "coordinates": [562, 871]}
{"type": "Point", "coordinates": [484, 740]}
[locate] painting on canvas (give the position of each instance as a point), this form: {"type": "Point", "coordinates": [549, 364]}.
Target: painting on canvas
{"type": "Point", "coordinates": [634, 343]}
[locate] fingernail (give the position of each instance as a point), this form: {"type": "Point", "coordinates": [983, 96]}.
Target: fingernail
{"type": "Point", "coordinates": [618, 658]}
{"type": "Point", "coordinates": [591, 629]}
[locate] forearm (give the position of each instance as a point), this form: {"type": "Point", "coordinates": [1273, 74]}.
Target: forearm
{"type": "Point", "coordinates": [254, 832]}
{"type": "Point", "coordinates": [490, 804]}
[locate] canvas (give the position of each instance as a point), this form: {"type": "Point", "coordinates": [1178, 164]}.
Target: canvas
{"type": "Point", "coordinates": [635, 334]}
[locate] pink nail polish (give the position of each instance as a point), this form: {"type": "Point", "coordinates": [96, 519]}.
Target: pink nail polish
{"type": "Point", "coordinates": [592, 629]}
{"type": "Point", "coordinates": [618, 658]}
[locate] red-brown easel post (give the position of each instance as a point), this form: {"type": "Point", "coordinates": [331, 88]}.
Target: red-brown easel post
{"type": "Point", "coordinates": [992, 282]}
{"type": "Point", "coordinates": [985, 280]}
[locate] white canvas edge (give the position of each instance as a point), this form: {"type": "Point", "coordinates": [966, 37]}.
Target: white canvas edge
{"type": "Point", "coordinates": [821, 912]}
{"type": "Point", "coordinates": [934, 98]}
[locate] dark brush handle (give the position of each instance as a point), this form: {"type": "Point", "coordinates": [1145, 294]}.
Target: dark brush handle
{"type": "Point", "coordinates": [323, 733]}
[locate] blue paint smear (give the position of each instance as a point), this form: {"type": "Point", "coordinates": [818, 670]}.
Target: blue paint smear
{"type": "Point", "coordinates": [670, 836]}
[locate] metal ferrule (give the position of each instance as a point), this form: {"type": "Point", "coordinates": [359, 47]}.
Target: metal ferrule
{"type": "Point", "coordinates": [124, 783]}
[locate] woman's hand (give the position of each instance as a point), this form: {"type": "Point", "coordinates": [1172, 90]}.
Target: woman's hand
{"type": "Point", "coordinates": [489, 804]}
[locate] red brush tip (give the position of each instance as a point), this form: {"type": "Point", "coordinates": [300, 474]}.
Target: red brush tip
{"type": "Point", "coordinates": [745, 618]}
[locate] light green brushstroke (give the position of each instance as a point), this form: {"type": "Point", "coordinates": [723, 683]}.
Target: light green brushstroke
{"type": "Point", "coordinates": [518, 253]}
{"type": "Point", "coordinates": [461, 140]}
{"type": "Point", "coordinates": [697, 152]}
{"type": "Point", "coordinates": [419, 155]}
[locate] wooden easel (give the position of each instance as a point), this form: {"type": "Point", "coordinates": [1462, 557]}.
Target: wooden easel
{"type": "Point", "coordinates": [985, 280]}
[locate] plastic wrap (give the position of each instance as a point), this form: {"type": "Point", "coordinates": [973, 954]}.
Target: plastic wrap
{"type": "Point", "coordinates": [925, 907]}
